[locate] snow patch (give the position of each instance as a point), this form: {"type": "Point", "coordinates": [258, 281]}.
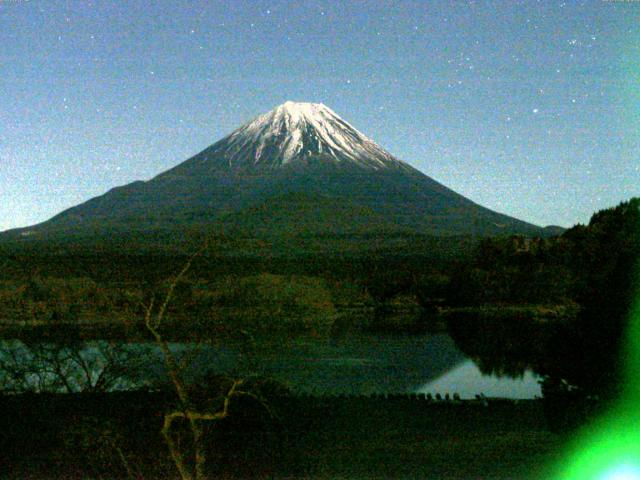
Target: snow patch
{"type": "Point", "coordinates": [297, 130]}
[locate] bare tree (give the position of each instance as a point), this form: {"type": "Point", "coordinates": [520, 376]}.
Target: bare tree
{"type": "Point", "coordinates": [195, 415]}
{"type": "Point", "coordinates": [69, 367]}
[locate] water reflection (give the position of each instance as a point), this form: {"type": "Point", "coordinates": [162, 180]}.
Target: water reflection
{"type": "Point", "coordinates": [468, 381]}
{"type": "Point", "coordinates": [361, 365]}
{"type": "Point", "coordinates": [364, 365]}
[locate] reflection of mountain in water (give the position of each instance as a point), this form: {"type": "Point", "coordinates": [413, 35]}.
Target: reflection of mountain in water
{"type": "Point", "coordinates": [356, 365]}
{"type": "Point", "coordinates": [365, 365]}
{"type": "Point", "coordinates": [468, 381]}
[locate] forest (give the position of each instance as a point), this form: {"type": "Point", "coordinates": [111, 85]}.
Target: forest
{"type": "Point", "coordinates": [558, 306]}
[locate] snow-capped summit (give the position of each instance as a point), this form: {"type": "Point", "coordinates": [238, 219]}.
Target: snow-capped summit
{"type": "Point", "coordinates": [297, 170]}
{"type": "Point", "coordinates": [299, 131]}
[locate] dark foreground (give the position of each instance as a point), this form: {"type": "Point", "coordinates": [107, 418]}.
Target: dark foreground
{"type": "Point", "coordinates": [117, 436]}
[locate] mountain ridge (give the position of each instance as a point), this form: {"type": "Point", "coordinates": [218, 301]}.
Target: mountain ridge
{"type": "Point", "coordinates": [294, 148]}
{"type": "Point", "coordinates": [295, 131]}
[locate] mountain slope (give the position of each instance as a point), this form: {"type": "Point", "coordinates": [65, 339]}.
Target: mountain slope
{"type": "Point", "coordinates": [294, 132]}
{"type": "Point", "coordinates": [264, 176]}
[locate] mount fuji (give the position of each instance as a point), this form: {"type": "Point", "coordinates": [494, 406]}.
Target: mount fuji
{"type": "Point", "coordinates": [298, 170]}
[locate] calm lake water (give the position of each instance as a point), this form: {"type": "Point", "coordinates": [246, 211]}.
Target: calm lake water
{"type": "Point", "coordinates": [362, 365]}
{"type": "Point", "coordinates": [467, 380]}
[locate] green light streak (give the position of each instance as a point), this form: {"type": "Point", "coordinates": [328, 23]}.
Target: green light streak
{"type": "Point", "coordinates": [609, 449]}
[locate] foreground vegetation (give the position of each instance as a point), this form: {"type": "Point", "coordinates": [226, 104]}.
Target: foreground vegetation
{"type": "Point", "coordinates": [556, 306]}
{"type": "Point", "coordinates": [116, 436]}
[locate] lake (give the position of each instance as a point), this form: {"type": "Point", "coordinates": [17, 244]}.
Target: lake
{"type": "Point", "coordinates": [354, 365]}
{"type": "Point", "coordinates": [467, 380]}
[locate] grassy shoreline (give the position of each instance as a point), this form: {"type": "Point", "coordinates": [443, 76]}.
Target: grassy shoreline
{"type": "Point", "coordinates": [312, 437]}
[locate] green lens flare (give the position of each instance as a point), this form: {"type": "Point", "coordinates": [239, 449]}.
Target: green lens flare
{"type": "Point", "coordinates": [609, 449]}
{"type": "Point", "coordinates": [623, 472]}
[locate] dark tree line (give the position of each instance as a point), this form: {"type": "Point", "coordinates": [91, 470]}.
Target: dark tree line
{"type": "Point", "coordinates": [603, 257]}
{"type": "Point", "coordinates": [591, 267]}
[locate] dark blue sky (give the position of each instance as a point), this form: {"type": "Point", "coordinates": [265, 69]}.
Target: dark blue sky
{"type": "Point", "coordinates": [529, 108]}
